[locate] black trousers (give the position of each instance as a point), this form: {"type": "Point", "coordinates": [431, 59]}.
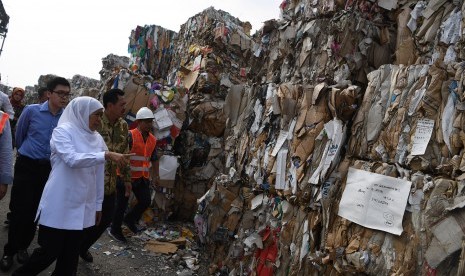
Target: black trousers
{"type": "Point", "coordinates": [140, 188]}
{"type": "Point", "coordinates": [30, 177]}
{"type": "Point", "coordinates": [55, 244]}
{"type": "Point", "coordinates": [92, 234]}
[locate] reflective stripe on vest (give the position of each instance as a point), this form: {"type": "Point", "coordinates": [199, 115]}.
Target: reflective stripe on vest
{"type": "Point", "coordinates": [3, 119]}
{"type": "Point", "coordinates": [139, 169]}
{"type": "Point", "coordinates": [142, 169]}
{"type": "Point", "coordinates": [140, 163]}
{"type": "Point", "coordinates": [139, 158]}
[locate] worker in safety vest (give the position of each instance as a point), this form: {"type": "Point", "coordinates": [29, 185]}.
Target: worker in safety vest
{"type": "Point", "coordinates": [142, 144]}
{"type": "Point", "coordinates": [6, 152]}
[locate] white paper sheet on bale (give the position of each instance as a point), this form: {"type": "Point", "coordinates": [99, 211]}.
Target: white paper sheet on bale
{"type": "Point", "coordinates": [415, 14]}
{"type": "Point", "coordinates": [254, 238]}
{"type": "Point", "coordinates": [290, 132]}
{"type": "Point", "coordinates": [447, 239]}
{"type": "Point", "coordinates": [423, 132]}
{"type": "Point", "coordinates": [304, 249]}
{"type": "Point", "coordinates": [197, 62]}
{"type": "Point", "coordinates": [335, 130]}
{"type": "Point", "coordinates": [168, 166]}
{"type": "Point", "coordinates": [374, 201]}
{"type": "Point", "coordinates": [293, 178]}
{"type": "Point", "coordinates": [176, 122]}
{"type": "Point", "coordinates": [447, 120]}
{"type": "Point", "coordinates": [258, 201]}
{"type": "Point", "coordinates": [387, 4]}
{"type": "Point", "coordinates": [281, 178]}
{"type": "Point", "coordinates": [258, 109]}
{"type": "Point", "coordinates": [279, 142]}
{"type": "Point", "coordinates": [162, 118]}
{"type": "Point", "coordinates": [451, 28]}
{"type": "Point", "coordinates": [161, 133]}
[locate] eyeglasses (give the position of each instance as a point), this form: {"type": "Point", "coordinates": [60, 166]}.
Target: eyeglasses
{"type": "Point", "coordinates": [62, 94]}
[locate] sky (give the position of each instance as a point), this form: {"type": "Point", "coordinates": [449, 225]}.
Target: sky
{"type": "Point", "coordinates": [66, 38]}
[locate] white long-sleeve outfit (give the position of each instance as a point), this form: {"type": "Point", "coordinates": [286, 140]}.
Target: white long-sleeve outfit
{"type": "Point", "coordinates": [75, 188]}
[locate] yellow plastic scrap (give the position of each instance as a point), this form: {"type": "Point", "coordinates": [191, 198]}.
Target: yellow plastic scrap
{"type": "Point", "coordinates": [194, 49]}
{"type": "Point", "coordinates": [148, 215]}
{"type": "Point", "coordinates": [168, 95]}
{"type": "Point", "coordinates": [186, 233]}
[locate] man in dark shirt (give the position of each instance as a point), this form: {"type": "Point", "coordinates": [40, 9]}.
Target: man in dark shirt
{"type": "Point", "coordinates": [114, 132]}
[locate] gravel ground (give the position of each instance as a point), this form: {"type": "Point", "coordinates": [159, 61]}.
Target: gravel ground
{"type": "Point", "coordinates": [120, 259]}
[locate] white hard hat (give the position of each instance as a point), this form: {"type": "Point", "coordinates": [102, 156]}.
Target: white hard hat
{"type": "Point", "coordinates": [144, 113]}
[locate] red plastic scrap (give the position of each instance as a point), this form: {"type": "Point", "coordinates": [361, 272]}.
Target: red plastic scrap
{"type": "Point", "coordinates": [267, 257]}
{"type": "Point", "coordinates": [429, 270]}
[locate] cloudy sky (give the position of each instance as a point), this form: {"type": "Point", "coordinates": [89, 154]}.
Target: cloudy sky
{"type": "Point", "coordinates": [71, 37]}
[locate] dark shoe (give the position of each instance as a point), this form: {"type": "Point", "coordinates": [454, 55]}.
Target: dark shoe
{"type": "Point", "coordinates": [55, 274]}
{"type": "Point", "coordinates": [22, 256]}
{"type": "Point", "coordinates": [6, 263]}
{"type": "Point", "coordinates": [86, 256]}
{"type": "Point", "coordinates": [133, 227]}
{"type": "Point", "coordinates": [116, 235]}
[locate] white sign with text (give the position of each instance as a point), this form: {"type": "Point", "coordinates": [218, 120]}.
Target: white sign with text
{"type": "Point", "coordinates": [422, 136]}
{"type": "Point", "coordinates": [375, 201]}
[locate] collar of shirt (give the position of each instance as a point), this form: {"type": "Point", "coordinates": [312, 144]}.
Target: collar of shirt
{"type": "Point", "coordinates": [34, 131]}
{"type": "Point", "coordinates": [44, 107]}
{"type": "Point", "coordinates": [106, 122]}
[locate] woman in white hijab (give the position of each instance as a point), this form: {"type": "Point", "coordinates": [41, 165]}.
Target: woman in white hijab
{"type": "Point", "coordinates": [72, 198]}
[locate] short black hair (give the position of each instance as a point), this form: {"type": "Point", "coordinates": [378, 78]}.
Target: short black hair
{"type": "Point", "coordinates": [41, 91]}
{"type": "Point", "coordinates": [57, 81]}
{"type": "Point", "coordinates": [111, 96]}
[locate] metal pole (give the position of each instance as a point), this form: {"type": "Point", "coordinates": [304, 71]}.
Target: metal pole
{"type": "Point", "coordinates": [3, 42]}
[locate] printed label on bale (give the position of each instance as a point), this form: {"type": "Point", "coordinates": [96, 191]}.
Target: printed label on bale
{"type": "Point", "coordinates": [375, 201]}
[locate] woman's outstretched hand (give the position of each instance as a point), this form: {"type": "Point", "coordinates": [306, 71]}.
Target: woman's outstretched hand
{"type": "Point", "coordinates": [120, 159]}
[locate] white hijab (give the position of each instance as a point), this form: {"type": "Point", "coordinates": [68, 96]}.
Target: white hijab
{"type": "Point", "coordinates": [77, 113]}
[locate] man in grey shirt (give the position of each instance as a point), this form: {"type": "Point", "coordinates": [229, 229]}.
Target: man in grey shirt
{"type": "Point", "coordinates": [5, 105]}
{"type": "Point", "coordinates": [6, 152]}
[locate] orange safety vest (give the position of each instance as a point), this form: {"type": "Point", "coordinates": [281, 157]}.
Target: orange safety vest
{"type": "Point", "coordinates": [140, 163]}
{"type": "Point", "coordinates": [3, 119]}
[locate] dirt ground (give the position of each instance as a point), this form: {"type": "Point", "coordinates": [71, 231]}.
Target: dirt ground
{"type": "Point", "coordinates": [115, 258]}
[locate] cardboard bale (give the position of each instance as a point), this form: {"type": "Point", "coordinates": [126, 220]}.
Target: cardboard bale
{"type": "Point", "coordinates": [151, 48]}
